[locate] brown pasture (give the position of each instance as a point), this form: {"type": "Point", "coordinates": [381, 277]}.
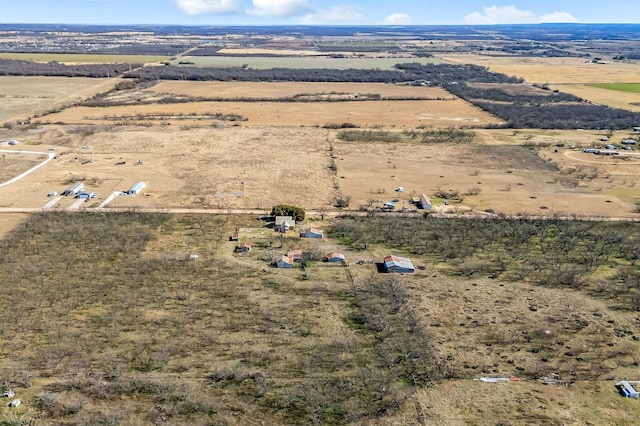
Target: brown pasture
{"type": "Point", "coordinates": [450, 113]}
{"type": "Point", "coordinates": [24, 96]}
{"type": "Point", "coordinates": [510, 177]}
{"type": "Point", "coordinates": [613, 98]}
{"type": "Point", "coordinates": [275, 90]}
{"type": "Point", "coordinates": [196, 168]}
{"type": "Point", "coordinates": [553, 70]}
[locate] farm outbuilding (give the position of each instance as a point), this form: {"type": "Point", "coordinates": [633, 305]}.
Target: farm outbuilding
{"type": "Point", "coordinates": [74, 189]}
{"type": "Point", "coordinates": [627, 389]}
{"type": "Point", "coordinates": [425, 202]}
{"type": "Point", "coordinates": [335, 257]}
{"type": "Point", "coordinates": [86, 195]}
{"type": "Point", "coordinates": [398, 264]}
{"type": "Point", "coordinates": [137, 188]}
{"type": "Point", "coordinates": [284, 262]}
{"type": "Point", "coordinates": [243, 247]}
{"type": "Point", "coordinates": [235, 236]}
{"type": "Point", "coordinates": [295, 254]}
{"type": "Point", "coordinates": [312, 233]}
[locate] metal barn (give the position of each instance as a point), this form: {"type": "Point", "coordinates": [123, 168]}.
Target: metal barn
{"type": "Point", "coordinates": [137, 188]}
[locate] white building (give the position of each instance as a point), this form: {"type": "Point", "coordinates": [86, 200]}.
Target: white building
{"type": "Point", "coordinates": [137, 188]}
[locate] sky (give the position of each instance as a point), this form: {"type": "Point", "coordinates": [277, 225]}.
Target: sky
{"type": "Point", "coordinates": [318, 12]}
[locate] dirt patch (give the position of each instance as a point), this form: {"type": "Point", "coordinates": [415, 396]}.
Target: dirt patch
{"type": "Point", "coordinates": [9, 221]}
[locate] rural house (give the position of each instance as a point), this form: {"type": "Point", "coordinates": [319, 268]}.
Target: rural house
{"type": "Point", "coordinates": [295, 254]}
{"type": "Point", "coordinates": [398, 264]}
{"type": "Point", "coordinates": [335, 257]}
{"type": "Point", "coordinates": [284, 223]}
{"type": "Point", "coordinates": [312, 233]}
{"type": "Point", "coordinates": [284, 262]}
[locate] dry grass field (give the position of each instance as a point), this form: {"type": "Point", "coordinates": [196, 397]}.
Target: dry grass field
{"type": "Point", "coordinates": [507, 176]}
{"type": "Point", "coordinates": [253, 90]}
{"type": "Point", "coordinates": [449, 113]}
{"type": "Point", "coordinates": [553, 70]}
{"type": "Point", "coordinates": [182, 168]}
{"type": "Point", "coordinates": [24, 96]}
{"type": "Point", "coordinates": [71, 58]}
{"type": "Point", "coordinates": [614, 98]}
{"type": "Point", "coordinates": [302, 62]}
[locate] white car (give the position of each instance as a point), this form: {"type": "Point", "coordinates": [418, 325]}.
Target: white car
{"type": "Point", "coordinates": [12, 142]}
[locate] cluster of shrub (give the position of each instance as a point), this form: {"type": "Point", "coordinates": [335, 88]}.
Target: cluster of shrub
{"type": "Point", "coordinates": [434, 74]}
{"type": "Point", "coordinates": [551, 252]}
{"type": "Point", "coordinates": [27, 68]}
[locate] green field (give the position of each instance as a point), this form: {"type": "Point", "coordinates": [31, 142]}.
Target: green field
{"type": "Point", "coordinates": [622, 87]}
{"type": "Point", "coordinates": [264, 62]}
{"type": "Point", "coordinates": [82, 58]}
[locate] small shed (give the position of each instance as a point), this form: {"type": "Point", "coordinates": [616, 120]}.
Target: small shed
{"type": "Point", "coordinates": [86, 195]}
{"type": "Point", "coordinates": [312, 233]}
{"type": "Point", "coordinates": [74, 189]}
{"type": "Point", "coordinates": [398, 264]}
{"type": "Point", "coordinates": [335, 257]}
{"type": "Point", "coordinates": [284, 262]}
{"type": "Point", "coordinates": [136, 188]}
{"type": "Point", "coordinates": [295, 254]}
{"type": "Point", "coordinates": [284, 223]}
{"type": "Point", "coordinates": [235, 236]}
{"type": "Point", "coordinates": [425, 202]}
{"type": "Point", "coordinates": [627, 390]}
{"type": "Point", "coordinates": [243, 248]}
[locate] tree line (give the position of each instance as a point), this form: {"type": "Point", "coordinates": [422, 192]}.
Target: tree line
{"type": "Point", "coordinates": [56, 69]}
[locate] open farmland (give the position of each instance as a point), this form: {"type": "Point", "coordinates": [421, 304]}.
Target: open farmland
{"type": "Point", "coordinates": [500, 172]}
{"type": "Point", "coordinates": [436, 113]}
{"type": "Point", "coordinates": [257, 90]}
{"type": "Point", "coordinates": [604, 96]}
{"type": "Point", "coordinates": [24, 96]}
{"type": "Point", "coordinates": [621, 87]}
{"type": "Point", "coordinates": [197, 168]}
{"type": "Point", "coordinates": [552, 70]}
{"type": "Point", "coordinates": [80, 58]}
{"type": "Point", "coordinates": [299, 62]}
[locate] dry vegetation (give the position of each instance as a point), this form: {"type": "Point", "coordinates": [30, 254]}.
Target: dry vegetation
{"type": "Point", "coordinates": [501, 172]}
{"type": "Point", "coordinates": [145, 336]}
{"type": "Point", "coordinates": [552, 70]}
{"type": "Point", "coordinates": [183, 167]}
{"type": "Point", "coordinates": [410, 114]}
{"type": "Point", "coordinates": [24, 96]}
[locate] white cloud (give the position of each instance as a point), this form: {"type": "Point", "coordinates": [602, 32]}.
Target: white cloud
{"type": "Point", "coordinates": [494, 15]}
{"type": "Point", "coordinates": [558, 17]}
{"type": "Point", "coordinates": [279, 8]}
{"type": "Point", "coordinates": [334, 15]}
{"type": "Point", "coordinates": [397, 19]}
{"type": "Point", "coordinates": [203, 7]}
